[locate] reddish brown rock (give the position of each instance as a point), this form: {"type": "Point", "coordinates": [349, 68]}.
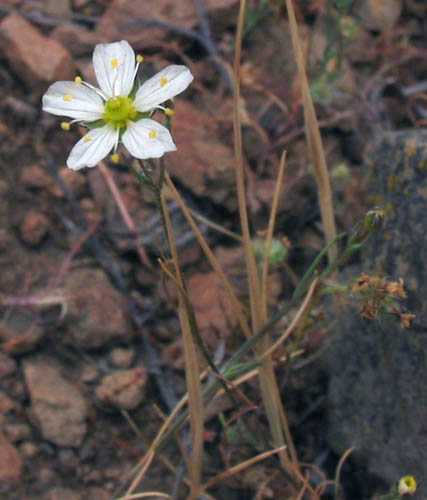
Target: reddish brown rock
{"type": "Point", "coordinates": [34, 228]}
{"type": "Point", "coordinates": [28, 450]}
{"type": "Point", "coordinates": [375, 15]}
{"type": "Point", "coordinates": [76, 181]}
{"type": "Point", "coordinates": [57, 406]}
{"type": "Point", "coordinates": [212, 306]}
{"type": "Point", "coordinates": [6, 404]}
{"type": "Point", "coordinates": [58, 9]}
{"type": "Point", "coordinates": [98, 493]}
{"type": "Point", "coordinates": [202, 162]}
{"type": "Point", "coordinates": [180, 12]}
{"type": "Point", "coordinates": [17, 432]}
{"type": "Point", "coordinates": [60, 493]}
{"type": "Point", "coordinates": [97, 312]}
{"type": "Point", "coordinates": [123, 388]}
{"type": "Point", "coordinates": [33, 176]}
{"type": "Point", "coordinates": [122, 357]}
{"type": "Point", "coordinates": [78, 40]}
{"type": "Point", "coordinates": [36, 59]}
{"type": "Point", "coordinates": [4, 239]}
{"type": "Point", "coordinates": [7, 365]}
{"type": "Point", "coordinates": [78, 4]}
{"type": "Point", "coordinates": [37, 177]}
{"type": "Point", "coordinates": [232, 260]}
{"type": "Point", "coordinates": [10, 464]}
{"type": "Point", "coordinates": [20, 335]}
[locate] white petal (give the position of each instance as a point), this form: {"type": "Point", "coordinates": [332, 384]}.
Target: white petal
{"type": "Point", "coordinates": [139, 143]}
{"type": "Point", "coordinates": [74, 100]}
{"type": "Point", "coordinates": [92, 147]}
{"type": "Point", "coordinates": [114, 65]}
{"type": "Point", "coordinates": [168, 83]}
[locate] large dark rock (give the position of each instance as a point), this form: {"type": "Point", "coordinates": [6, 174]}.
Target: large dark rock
{"type": "Point", "coordinates": [378, 370]}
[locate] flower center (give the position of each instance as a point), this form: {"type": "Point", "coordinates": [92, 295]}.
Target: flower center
{"type": "Point", "coordinates": [118, 111]}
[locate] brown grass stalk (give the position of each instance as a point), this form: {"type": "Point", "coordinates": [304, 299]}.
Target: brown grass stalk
{"type": "Point", "coordinates": [164, 459]}
{"type": "Point", "coordinates": [155, 494]}
{"type": "Point", "coordinates": [158, 440]}
{"type": "Point", "coordinates": [297, 318]}
{"type": "Point", "coordinates": [195, 397]}
{"type": "Point", "coordinates": [270, 232]}
{"type": "Point", "coordinates": [235, 303]}
{"type": "Point", "coordinates": [314, 140]}
{"type": "Point", "coordinates": [237, 468]}
{"type": "Point", "coordinates": [269, 388]}
{"type": "Point", "coordinates": [338, 471]}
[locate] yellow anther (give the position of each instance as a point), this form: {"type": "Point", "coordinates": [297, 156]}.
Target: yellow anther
{"type": "Point", "coordinates": [114, 63]}
{"type": "Point", "coordinates": [65, 126]}
{"type": "Point", "coordinates": [152, 134]}
{"type": "Point", "coordinates": [87, 138]}
{"type": "Point", "coordinates": [78, 79]}
{"type": "Point", "coordinates": [115, 158]}
{"type": "Point", "coordinates": [163, 81]}
{"type": "Point", "coordinates": [169, 112]}
{"type": "Point", "coordinates": [139, 58]}
{"type": "Point", "coordinates": [67, 97]}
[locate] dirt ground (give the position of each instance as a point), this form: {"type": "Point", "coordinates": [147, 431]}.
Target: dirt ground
{"type": "Point", "coordinates": [88, 324]}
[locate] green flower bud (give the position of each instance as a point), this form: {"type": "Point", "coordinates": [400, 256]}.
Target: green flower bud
{"type": "Point", "coordinates": [278, 251]}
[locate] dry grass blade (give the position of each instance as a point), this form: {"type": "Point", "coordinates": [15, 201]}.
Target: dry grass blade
{"type": "Point", "coordinates": [237, 308]}
{"type": "Point", "coordinates": [338, 471]}
{"type": "Point", "coordinates": [237, 468]}
{"type": "Point", "coordinates": [270, 232]}
{"type": "Point", "coordinates": [162, 457]}
{"type": "Point", "coordinates": [301, 312]}
{"type": "Point", "coordinates": [254, 286]}
{"type": "Point", "coordinates": [154, 494]}
{"type": "Point", "coordinates": [216, 227]}
{"type": "Point", "coordinates": [269, 387]}
{"type": "Point", "coordinates": [144, 464]}
{"type": "Point", "coordinates": [195, 397]}
{"type": "Point", "coordinates": [314, 140]}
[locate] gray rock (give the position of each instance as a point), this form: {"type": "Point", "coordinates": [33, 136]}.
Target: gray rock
{"type": "Point", "coordinates": [124, 389]}
{"type": "Point", "coordinates": [378, 376]}
{"type": "Point", "coordinates": [97, 313]}
{"type": "Point", "coordinates": [57, 406]}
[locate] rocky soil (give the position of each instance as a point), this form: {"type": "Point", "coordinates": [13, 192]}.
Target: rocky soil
{"type": "Point", "coordinates": [88, 324]}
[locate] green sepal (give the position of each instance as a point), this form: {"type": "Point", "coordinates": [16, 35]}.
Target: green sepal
{"type": "Point", "coordinates": [136, 85]}
{"type": "Point", "coordinates": [140, 116]}
{"type": "Point", "coordinates": [96, 124]}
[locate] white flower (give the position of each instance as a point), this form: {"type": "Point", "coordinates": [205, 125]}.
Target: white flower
{"type": "Point", "coordinates": [117, 112]}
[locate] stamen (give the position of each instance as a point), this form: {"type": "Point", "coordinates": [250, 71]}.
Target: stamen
{"type": "Point", "coordinates": [78, 79]}
{"type": "Point", "coordinates": [98, 91]}
{"type": "Point", "coordinates": [67, 97]}
{"type": "Point", "coordinates": [169, 112]}
{"type": "Point", "coordinates": [152, 134]}
{"type": "Point", "coordinates": [139, 59]}
{"type": "Point", "coordinates": [115, 158]}
{"type": "Point", "coordinates": [114, 65]}
{"type": "Point", "coordinates": [163, 81]}
{"type": "Point", "coordinates": [65, 126]}
{"type": "Point", "coordinates": [87, 138]}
